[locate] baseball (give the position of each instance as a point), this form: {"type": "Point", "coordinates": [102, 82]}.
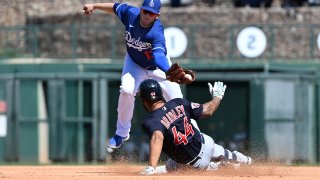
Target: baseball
{"type": "Point", "coordinates": [188, 76]}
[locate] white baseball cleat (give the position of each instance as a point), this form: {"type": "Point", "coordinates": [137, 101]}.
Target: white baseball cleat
{"type": "Point", "coordinates": [242, 158]}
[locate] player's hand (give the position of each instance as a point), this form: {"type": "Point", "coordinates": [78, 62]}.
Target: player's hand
{"type": "Point", "coordinates": [149, 170]}
{"type": "Point", "coordinates": [180, 75]}
{"type": "Point", "coordinates": [88, 8]}
{"type": "Point", "coordinates": [217, 90]}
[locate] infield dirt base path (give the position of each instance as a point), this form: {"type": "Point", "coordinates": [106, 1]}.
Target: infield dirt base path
{"type": "Point", "coordinates": [119, 172]}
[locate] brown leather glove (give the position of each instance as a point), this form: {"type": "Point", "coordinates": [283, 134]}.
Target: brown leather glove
{"type": "Point", "coordinates": [177, 74]}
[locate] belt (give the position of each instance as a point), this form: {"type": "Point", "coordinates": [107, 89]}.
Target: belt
{"type": "Point", "coordinates": [198, 157]}
{"type": "Point", "coordinates": [151, 68]}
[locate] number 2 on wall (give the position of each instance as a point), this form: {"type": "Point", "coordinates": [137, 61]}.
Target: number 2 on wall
{"type": "Point", "coordinates": [251, 41]}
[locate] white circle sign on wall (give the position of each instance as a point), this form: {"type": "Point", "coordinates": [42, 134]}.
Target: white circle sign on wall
{"type": "Point", "coordinates": [251, 42]}
{"type": "Point", "coordinates": [176, 41]}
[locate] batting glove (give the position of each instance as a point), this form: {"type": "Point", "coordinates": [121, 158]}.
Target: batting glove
{"type": "Point", "coordinates": [217, 90]}
{"type": "Point", "coordinates": [149, 170]}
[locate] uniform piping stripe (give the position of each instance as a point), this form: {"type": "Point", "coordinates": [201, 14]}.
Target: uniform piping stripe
{"type": "Point", "coordinates": [158, 48]}
{"type": "Point", "coordinates": [118, 6]}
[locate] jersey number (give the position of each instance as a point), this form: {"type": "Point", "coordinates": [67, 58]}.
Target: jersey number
{"type": "Point", "coordinates": [182, 138]}
{"type": "Point", "coordinates": [148, 54]}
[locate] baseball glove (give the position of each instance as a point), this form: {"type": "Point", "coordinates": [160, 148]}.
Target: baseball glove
{"type": "Point", "coordinates": [179, 75]}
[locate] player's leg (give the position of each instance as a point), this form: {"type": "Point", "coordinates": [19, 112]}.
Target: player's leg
{"type": "Point", "coordinates": [205, 155]}
{"type": "Point", "coordinates": [132, 75]}
{"type": "Point", "coordinates": [212, 156]}
{"type": "Point", "coordinates": [220, 153]}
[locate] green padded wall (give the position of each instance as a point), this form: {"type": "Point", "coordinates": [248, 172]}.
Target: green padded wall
{"type": "Point", "coordinates": [231, 117]}
{"type": "Point", "coordinates": [28, 129]}
{"type": "Point", "coordinates": [257, 122]}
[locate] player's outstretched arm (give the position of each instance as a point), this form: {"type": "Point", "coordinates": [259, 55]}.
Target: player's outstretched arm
{"type": "Point", "coordinates": [217, 93]}
{"type": "Point", "coordinates": [155, 147]}
{"type": "Point", "coordinates": [106, 7]}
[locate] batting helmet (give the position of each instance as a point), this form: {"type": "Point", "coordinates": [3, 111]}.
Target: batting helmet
{"type": "Point", "coordinates": [150, 90]}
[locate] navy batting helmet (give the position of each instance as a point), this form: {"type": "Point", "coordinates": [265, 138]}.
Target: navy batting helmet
{"type": "Point", "coordinates": [150, 90]}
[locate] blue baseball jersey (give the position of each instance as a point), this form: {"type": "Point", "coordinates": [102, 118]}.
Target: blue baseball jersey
{"type": "Point", "coordinates": [140, 41]}
{"type": "Point", "coordinates": [182, 141]}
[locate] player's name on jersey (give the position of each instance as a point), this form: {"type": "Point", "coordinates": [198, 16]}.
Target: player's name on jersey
{"type": "Point", "coordinates": [172, 116]}
{"type": "Point", "coordinates": [136, 43]}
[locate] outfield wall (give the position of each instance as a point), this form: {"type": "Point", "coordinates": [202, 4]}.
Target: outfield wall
{"type": "Point", "coordinates": [64, 112]}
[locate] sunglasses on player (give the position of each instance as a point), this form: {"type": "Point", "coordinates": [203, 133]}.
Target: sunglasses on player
{"type": "Point", "coordinates": [148, 12]}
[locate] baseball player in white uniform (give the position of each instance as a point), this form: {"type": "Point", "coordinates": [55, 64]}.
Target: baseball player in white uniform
{"type": "Point", "coordinates": [146, 58]}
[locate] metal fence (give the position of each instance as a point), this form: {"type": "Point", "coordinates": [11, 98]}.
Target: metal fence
{"type": "Point", "coordinates": [205, 42]}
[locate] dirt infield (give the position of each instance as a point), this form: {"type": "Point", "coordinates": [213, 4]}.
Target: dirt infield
{"type": "Point", "coordinates": [119, 172]}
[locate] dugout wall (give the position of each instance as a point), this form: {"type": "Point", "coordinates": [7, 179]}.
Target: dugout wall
{"type": "Point", "coordinates": [277, 110]}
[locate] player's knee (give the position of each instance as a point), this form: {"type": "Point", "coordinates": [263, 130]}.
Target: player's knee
{"type": "Point", "coordinates": [127, 84]}
{"type": "Point", "coordinates": [127, 90]}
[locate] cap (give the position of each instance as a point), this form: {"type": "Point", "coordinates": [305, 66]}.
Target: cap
{"type": "Point", "coordinates": [152, 6]}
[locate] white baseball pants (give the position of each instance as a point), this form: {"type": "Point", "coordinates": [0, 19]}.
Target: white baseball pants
{"type": "Point", "coordinates": [208, 150]}
{"type": "Point", "coordinates": [132, 76]}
